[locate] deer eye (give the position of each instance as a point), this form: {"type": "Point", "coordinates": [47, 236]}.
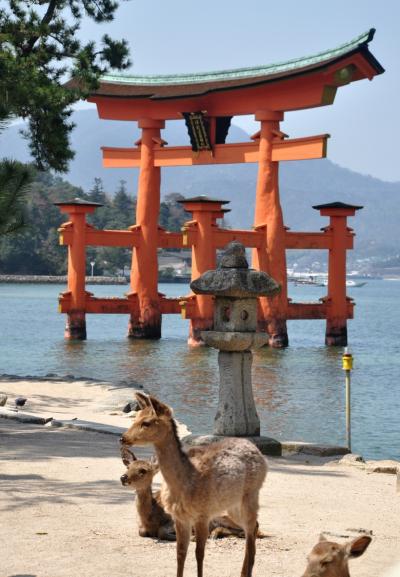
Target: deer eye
{"type": "Point", "coordinates": [145, 424]}
{"type": "Point", "coordinates": [142, 472]}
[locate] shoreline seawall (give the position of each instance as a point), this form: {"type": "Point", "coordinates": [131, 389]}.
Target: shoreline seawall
{"type": "Point", "coordinates": [49, 279]}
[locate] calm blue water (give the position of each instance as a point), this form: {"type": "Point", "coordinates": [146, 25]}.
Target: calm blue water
{"type": "Point", "coordinates": [299, 391]}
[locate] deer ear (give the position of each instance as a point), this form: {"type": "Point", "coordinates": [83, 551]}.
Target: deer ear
{"type": "Point", "coordinates": [322, 538]}
{"type": "Point", "coordinates": [154, 464]}
{"type": "Point", "coordinates": [127, 456]}
{"type": "Point", "coordinates": [358, 546]}
{"type": "Point", "coordinates": [143, 400]}
{"type": "Point", "coordinates": [159, 408]}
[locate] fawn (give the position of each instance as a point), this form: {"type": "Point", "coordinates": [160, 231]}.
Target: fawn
{"type": "Point", "coordinates": [202, 483]}
{"type": "Point", "coordinates": [154, 521]}
{"type": "Point", "coordinates": [330, 559]}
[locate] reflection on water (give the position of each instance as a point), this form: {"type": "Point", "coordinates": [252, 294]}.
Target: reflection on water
{"type": "Point", "coordinates": [299, 391]}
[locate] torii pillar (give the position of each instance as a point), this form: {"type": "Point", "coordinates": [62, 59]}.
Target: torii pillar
{"type": "Point", "coordinates": [144, 271]}
{"type": "Point", "coordinates": [76, 210]}
{"type": "Point", "coordinates": [337, 300]}
{"type": "Point", "coordinates": [268, 214]}
{"type": "Point", "coordinates": [201, 230]}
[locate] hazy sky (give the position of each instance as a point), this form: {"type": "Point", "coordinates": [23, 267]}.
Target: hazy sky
{"type": "Point", "coordinates": [171, 36]}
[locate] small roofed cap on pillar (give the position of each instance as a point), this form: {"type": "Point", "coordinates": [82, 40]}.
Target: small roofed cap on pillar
{"type": "Point", "coordinates": [339, 205]}
{"type": "Point", "coordinates": [233, 278]}
{"type": "Point", "coordinates": [77, 202]}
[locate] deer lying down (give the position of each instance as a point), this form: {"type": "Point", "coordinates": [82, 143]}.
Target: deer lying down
{"type": "Point", "coordinates": [330, 559]}
{"type": "Point", "coordinates": [154, 521]}
{"type": "Point", "coordinates": [202, 483]}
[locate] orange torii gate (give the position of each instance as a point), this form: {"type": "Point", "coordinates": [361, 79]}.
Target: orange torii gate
{"type": "Point", "coordinates": [207, 102]}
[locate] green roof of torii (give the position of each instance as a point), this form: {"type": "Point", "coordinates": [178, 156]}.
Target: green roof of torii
{"type": "Point", "coordinates": [209, 81]}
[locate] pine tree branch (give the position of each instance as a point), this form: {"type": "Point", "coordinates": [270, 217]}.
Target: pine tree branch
{"type": "Point", "coordinates": [47, 18]}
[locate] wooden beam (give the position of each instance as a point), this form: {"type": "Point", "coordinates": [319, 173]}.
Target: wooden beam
{"type": "Point", "coordinates": [125, 306]}
{"type": "Point", "coordinates": [170, 239]}
{"type": "Point", "coordinates": [308, 240]}
{"type": "Point", "coordinates": [250, 238]}
{"type": "Point", "coordinates": [171, 306]}
{"type": "Point", "coordinates": [314, 240]}
{"type": "Point", "coordinates": [297, 311]}
{"type": "Point", "coordinates": [94, 237]}
{"type": "Point", "coordinates": [300, 148]}
{"type": "Point", "coordinates": [291, 149]}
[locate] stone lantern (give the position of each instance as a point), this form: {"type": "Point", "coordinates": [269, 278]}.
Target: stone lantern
{"type": "Point", "coordinates": [236, 288]}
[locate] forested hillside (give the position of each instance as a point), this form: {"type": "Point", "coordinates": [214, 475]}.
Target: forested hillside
{"type": "Point", "coordinates": [36, 250]}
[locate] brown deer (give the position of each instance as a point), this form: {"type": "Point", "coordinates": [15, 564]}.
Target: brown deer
{"type": "Point", "coordinates": [203, 482]}
{"type": "Point", "coordinates": [154, 521]}
{"type": "Point", "coordinates": [330, 559]}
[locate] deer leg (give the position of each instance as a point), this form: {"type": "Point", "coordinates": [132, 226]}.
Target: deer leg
{"type": "Point", "coordinates": [183, 531]}
{"type": "Point", "coordinates": [250, 526]}
{"type": "Point", "coordinates": [201, 529]}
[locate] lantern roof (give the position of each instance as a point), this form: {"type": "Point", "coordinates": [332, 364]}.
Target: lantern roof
{"type": "Point", "coordinates": [233, 278]}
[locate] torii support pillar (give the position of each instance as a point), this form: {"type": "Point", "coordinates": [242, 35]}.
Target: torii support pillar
{"type": "Point", "coordinates": [144, 272]}
{"type": "Point", "coordinates": [268, 214]}
{"type": "Point", "coordinates": [337, 300]}
{"type": "Point", "coordinates": [199, 232]}
{"type": "Point", "coordinates": [77, 210]}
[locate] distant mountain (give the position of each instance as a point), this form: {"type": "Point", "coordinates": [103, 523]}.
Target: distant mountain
{"type": "Point", "coordinates": [302, 184]}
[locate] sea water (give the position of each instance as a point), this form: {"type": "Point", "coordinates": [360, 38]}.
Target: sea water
{"type": "Point", "coordinates": [299, 391]}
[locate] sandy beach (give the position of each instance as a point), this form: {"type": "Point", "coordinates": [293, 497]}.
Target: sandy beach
{"type": "Point", "coordinates": [64, 511]}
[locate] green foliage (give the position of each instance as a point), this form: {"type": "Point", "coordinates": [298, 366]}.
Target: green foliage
{"type": "Point", "coordinates": [14, 185]}
{"type": "Point", "coordinates": [166, 274]}
{"type": "Point", "coordinates": [39, 48]}
{"type": "Point", "coordinates": [36, 250]}
{"type": "Point", "coordinates": [172, 213]}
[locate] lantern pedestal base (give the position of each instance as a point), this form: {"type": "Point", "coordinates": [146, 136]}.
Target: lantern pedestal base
{"type": "Point", "coordinates": [236, 414]}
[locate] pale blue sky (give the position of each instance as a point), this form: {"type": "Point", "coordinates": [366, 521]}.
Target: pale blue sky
{"type": "Point", "coordinates": [187, 36]}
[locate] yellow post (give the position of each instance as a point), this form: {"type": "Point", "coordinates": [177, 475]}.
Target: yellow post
{"type": "Point", "coordinates": [347, 367]}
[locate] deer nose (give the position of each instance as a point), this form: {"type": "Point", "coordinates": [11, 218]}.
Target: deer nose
{"type": "Point", "coordinates": [122, 440]}
{"type": "Point", "coordinates": [124, 479]}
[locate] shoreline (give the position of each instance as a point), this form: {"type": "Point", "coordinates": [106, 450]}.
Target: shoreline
{"type": "Point", "coordinates": [94, 405]}
{"type": "Point", "coordinates": [53, 279]}
{"type": "Point", "coordinates": [121, 280]}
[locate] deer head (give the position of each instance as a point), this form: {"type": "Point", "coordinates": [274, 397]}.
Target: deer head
{"type": "Point", "coordinates": [139, 473]}
{"type": "Point", "coordinates": [151, 423]}
{"type": "Point", "coordinates": [329, 559]}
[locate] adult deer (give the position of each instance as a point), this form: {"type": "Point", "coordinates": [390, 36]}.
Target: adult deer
{"type": "Point", "coordinates": [154, 521]}
{"type": "Point", "coordinates": [202, 482]}
{"type": "Point", "coordinates": [330, 559]}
